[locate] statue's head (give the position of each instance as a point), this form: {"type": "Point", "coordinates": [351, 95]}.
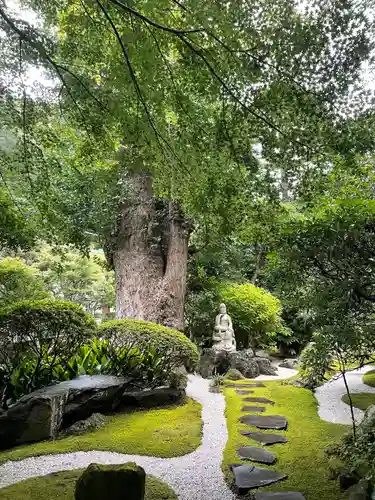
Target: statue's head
{"type": "Point", "coordinates": [223, 309]}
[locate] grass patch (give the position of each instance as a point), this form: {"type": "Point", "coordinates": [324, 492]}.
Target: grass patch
{"type": "Point", "coordinates": [369, 378]}
{"type": "Point", "coordinates": [302, 458]}
{"type": "Point", "coordinates": [61, 486]}
{"type": "Point", "coordinates": [162, 432]}
{"type": "Point", "coordinates": [361, 400]}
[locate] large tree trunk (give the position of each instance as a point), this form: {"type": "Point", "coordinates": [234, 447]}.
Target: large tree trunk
{"type": "Point", "coordinates": [149, 256]}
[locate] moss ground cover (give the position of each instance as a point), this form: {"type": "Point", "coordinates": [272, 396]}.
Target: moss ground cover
{"type": "Point", "coordinates": [369, 378]}
{"type": "Point", "coordinates": [361, 400]}
{"type": "Point", "coordinates": [162, 432]}
{"type": "Point", "coordinates": [61, 485]}
{"type": "Point", "coordinates": [302, 458]}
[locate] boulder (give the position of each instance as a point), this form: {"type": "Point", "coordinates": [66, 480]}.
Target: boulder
{"type": "Point", "coordinates": [289, 363]}
{"type": "Point", "coordinates": [95, 421]}
{"type": "Point", "coordinates": [265, 366]}
{"type": "Point", "coordinates": [245, 362]}
{"type": "Point", "coordinates": [150, 398]}
{"type": "Point", "coordinates": [234, 374]}
{"type": "Point", "coordinates": [360, 491]}
{"type": "Point", "coordinates": [117, 482]}
{"type": "Point", "coordinates": [43, 413]}
{"type": "Point", "coordinates": [347, 479]}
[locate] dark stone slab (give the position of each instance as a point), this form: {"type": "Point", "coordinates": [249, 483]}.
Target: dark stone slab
{"type": "Point", "coordinates": [246, 386]}
{"type": "Point", "coordinates": [265, 421]}
{"type": "Point", "coordinates": [265, 439]}
{"type": "Point", "coordinates": [248, 477]}
{"type": "Point", "coordinates": [283, 495]}
{"type": "Point", "coordinates": [259, 409]}
{"type": "Point", "coordinates": [256, 454]}
{"type": "Point", "coordinates": [243, 393]}
{"type": "Point", "coordinates": [259, 400]}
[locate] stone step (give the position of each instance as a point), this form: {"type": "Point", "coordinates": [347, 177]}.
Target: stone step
{"type": "Point", "coordinates": [248, 477]}
{"type": "Point", "coordinates": [258, 409]}
{"type": "Point", "coordinates": [244, 392]}
{"type": "Point", "coordinates": [246, 386]}
{"type": "Point", "coordinates": [282, 495]}
{"type": "Point", "coordinates": [257, 399]}
{"type": "Point", "coordinates": [256, 454]}
{"type": "Point", "coordinates": [265, 439]}
{"type": "Point", "coordinates": [276, 422]}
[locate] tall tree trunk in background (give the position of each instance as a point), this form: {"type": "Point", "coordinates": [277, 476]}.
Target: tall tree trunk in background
{"type": "Point", "coordinates": [149, 255]}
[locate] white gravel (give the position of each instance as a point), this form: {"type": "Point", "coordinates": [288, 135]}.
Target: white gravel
{"type": "Point", "coordinates": [196, 476]}
{"type": "Point", "coordinates": [331, 408]}
{"type": "Point", "coordinates": [282, 373]}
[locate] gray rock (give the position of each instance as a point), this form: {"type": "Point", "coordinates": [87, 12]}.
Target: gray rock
{"type": "Point", "coordinates": [207, 363]}
{"type": "Point", "coordinates": [276, 422]}
{"type": "Point", "coordinates": [95, 421]}
{"type": "Point", "coordinates": [289, 363]}
{"type": "Point", "coordinates": [262, 354]}
{"type": "Point", "coordinates": [283, 495]}
{"type": "Point", "coordinates": [246, 386]}
{"type": "Point", "coordinates": [255, 409]}
{"type": "Point", "coordinates": [245, 362]}
{"type": "Point", "coordinates": [151, 398]}
{"type": "Point", "coordinates": [265, 439]}
{"type": "Point", "coordinates": [360, 491]}
{"type": "Point", "coordinates": [347, 479]}
{"type": "Point", "coordinates": [244, 392]}
{"type": "Point", "coordinates": [256, 454]}
{"type": "Point", "coordinates": [115, 482]}
{"type": "Point", "coordinates": [41, 414]}
{"type": "Point", "coordinates": [248, 477]}
{"type": "Point", "coordinates": [234, 374]}
{"type": "Point", "coordinates": [265, 367]}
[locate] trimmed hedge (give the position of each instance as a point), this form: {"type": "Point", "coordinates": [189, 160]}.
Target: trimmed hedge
{"type": "Point", "coordinates": [37, 340]}
{"type": "Point", "coordinates": [174, 344]}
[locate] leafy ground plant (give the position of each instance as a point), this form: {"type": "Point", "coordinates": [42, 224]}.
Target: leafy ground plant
{"type": "Point", "coordinates": [167, 432]}
{"type": "Point", "coordinates": [61, 485]}
{"type": "Point", "coordinates": [302, 458]}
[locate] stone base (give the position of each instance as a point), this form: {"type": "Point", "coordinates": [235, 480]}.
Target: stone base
{"type": "Point", "coordinates": [218, 363]}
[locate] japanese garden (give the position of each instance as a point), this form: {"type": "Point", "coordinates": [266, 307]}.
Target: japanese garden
{"type": "Point", "coordinates": [187, 249]}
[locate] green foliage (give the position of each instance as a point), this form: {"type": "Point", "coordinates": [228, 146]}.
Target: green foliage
{"type": "Point", "coordinates": [160, 432]}
{"type": "Point", "coordinates": [37, 341]}
{"type": "Point", "coordinates": [369, 378]}
{"type": "Point", "coordinates": [171, 344]}
{"type": "Point", "coordinates": [16, 227]}
{"type": "Point", "coordinates": [19, 282]}
{"type": "Point", "coordinates": [315, 361]}
{"type": "Point", "coordinates": [255, 313]}
{"type": "Point", "coordinates": [61, 486]}
{"type": "Point", "coordinates": [361, 400]}
{"type": "Point", "coordinates": [359, 452]}
{"type": "Point", "coordinates": [217, 381]}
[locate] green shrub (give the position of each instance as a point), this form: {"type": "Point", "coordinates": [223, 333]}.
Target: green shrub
{"type": "Point", "coordinates": [369, 378]}
{"type": "Point", "coordinates": [255, 313]}
{"type": "Point", "coordinates": [37, 340]}
{"type": "Point", "coordinates": [173, 345]}
{"type": "Point", "coordinates": [234, 374]}
{"type": "Point", "coordinates": [19, 282]}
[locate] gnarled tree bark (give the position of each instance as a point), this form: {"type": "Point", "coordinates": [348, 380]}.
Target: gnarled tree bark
{"type": "Point", "coordinates": [149, 255]}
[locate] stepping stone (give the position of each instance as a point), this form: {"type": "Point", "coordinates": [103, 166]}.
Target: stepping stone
{"type": "Point", "coordinates": [246, 386]}
{"type": "Point", "coordinates": [284, 495]}
{"type": "Point", "coordinates": [243, 393]}
{"type": "Point", "coordinates": [256, 455]}
{"type": "Point", "coordinates": [265, 421]}
{"type": "Point", "coordinates": [259, 400]}
{"type": "Point", "coordinates": [248, 477]}
{"type": "Point", "coordinates": [259, 409]}
{"type": "Point", "coordinates": [265, 439]}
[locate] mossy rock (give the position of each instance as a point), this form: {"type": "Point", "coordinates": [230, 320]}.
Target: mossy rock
{"type": "Point", "coordinates": [61, 486]}
{"type": "Point", "coordinates": [111, 481]}
{"type": "Point", "coordinates": [234, 374]}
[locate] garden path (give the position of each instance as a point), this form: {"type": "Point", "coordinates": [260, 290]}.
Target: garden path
{"type": "Point", "coordinates": [331, 407]}
{"type": "Point", "coordinates": [195, 476]}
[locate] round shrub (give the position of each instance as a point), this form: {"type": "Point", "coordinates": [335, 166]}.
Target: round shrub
{"type": "Point", "coordinates": [255, 313]}
{"type": "Point", "coordinates": [37, 340]}
{"type": "Point", "coordinates": [369, 378]}
{"type": "Point", "coordinates": [173, 344]}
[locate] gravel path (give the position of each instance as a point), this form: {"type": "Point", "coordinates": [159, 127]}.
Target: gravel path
{"type": "Point", "coordinates": [282, 373]}
{"type": "Point", "coordinates": [196, 476]}
{"type": "Point", "coordinates": [329, 395]}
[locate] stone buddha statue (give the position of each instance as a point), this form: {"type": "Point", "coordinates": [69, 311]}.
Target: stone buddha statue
{"type": "Point", "coordinates": [223, 336]}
